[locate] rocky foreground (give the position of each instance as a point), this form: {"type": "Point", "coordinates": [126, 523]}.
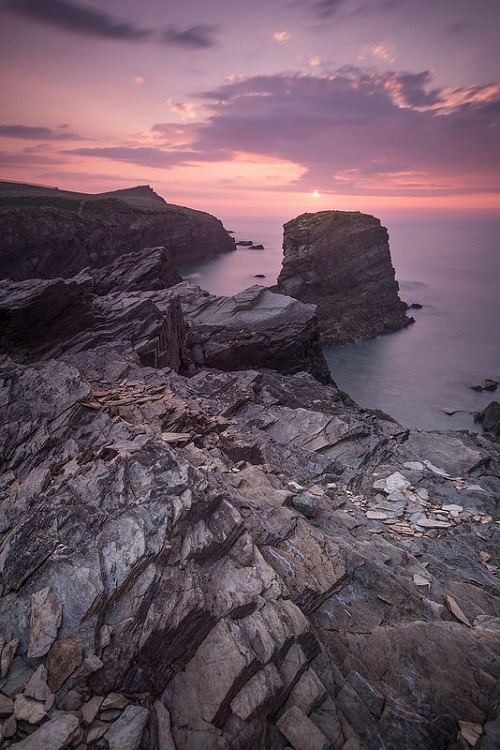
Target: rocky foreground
{"type": "Point", "coordinates": [341, 261]}
{"type": "Point", "coordinates": [199, 552]}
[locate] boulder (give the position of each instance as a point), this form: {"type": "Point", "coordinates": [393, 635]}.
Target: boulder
{"type": "Point", "coordinates": [341, 261]}
{"type": "Point", "coordinates": [254, 328]}
{"type": "Point", "coordinates": [490, 418]}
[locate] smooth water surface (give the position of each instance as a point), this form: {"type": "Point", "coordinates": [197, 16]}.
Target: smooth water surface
{"type": "Point", "coordinates": [453, 269]}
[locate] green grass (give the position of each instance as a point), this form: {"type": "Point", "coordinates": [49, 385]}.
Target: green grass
{"type": "Point", "coordinates": [83, 207]}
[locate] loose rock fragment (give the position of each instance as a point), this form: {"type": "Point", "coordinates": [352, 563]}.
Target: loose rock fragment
{"type": "Point", "coordinates": [46, 616]}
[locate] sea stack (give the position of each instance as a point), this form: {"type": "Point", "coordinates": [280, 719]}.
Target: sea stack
{"type": "Point", "coordinates": [341, 261]}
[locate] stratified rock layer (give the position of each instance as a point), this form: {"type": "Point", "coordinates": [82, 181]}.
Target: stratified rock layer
{"type": "Point", "coordinates": [230, 560]}
{"type": "Point", "coordinates": [201, 607]}
{"type": "Point", "coordinates": [341, 262]}
{"type": "Point", "coordinates": [47, 232]}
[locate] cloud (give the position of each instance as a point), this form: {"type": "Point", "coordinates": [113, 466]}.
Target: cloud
{"type": "Point", "coordinates": [361, 130]}
{"type": "Point", "coordinates": [148, 156]}
{"type": "Point", "coordinates": [138, 80]}
{"type": "Point", "coordinates": [77, 18]}
{"type": "Point", "coordinates": [199, 36]}
{"type": "Point", "coordinates": [326, 8]}
{"type": "Point", "coordinates": [37, 133]}
{"type": "Point", "coordinates": [281, 36]}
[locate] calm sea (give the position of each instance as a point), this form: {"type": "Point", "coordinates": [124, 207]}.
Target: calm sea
{"type": "Point", "coordinates": [452, 268]}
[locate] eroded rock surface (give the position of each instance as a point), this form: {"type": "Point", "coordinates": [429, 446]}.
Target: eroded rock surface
{"type": "Point", "coordinates": [341, 262]}
{"type": "Point", "coordinates": [163, 512]}
{"type": "Point", "coordinates": [194, 558]}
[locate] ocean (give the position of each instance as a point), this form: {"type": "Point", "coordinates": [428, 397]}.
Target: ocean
{"type": "Point", "coordinates": [450, 267]}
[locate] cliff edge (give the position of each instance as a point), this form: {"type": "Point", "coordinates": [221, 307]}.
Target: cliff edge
{"type": "Point", "coordinates": [46, 232]}
{"type": "Point", "coordinates": [340, 261]}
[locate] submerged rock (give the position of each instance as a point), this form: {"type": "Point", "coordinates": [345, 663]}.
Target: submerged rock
{"type": "Point", "coordinates": [341, 262]}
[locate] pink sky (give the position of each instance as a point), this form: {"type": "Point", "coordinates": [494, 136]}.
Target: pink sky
{"type": "Point", "coordinates": [266, 108]}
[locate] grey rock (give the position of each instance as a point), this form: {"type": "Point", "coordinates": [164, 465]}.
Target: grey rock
{"type": "Point", "coordinates": [46, 617]}
{"type": "Point", "coordinates": [300, 731]}
{"type": "Point", "coordinates": [125, 733]}
{"type": "Point", "coordinates": [55, 734]}
{"type": "Point", "coordinates": [6, 706]}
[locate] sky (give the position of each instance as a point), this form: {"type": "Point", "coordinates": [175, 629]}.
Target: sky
{"type": "Point", "coordinates": [264, 108]}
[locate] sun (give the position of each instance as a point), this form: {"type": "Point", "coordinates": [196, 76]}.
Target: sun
{"type": "Point", "coordinates": [315, 194]}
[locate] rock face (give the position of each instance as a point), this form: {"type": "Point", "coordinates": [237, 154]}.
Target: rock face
{"type": "Point", "coordinates": [341, 262]}
{"type": "Point", "coordinates": [198, 559]}
{"type": "Point", "coordinates": [139, 302]}
{"type": "Point", "coordinates": [47, 232]}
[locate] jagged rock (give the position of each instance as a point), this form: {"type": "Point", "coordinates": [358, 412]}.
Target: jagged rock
{"type": "Point", "coordinates": [300, 731]}
{"type": "Point", "coordinates": [159, 510]}
{"type": "Point", "coordinates": [56, 734]}
{"type": "Point", "coordinates": [341, 261]}
{"type": "Point", "coordinates": [125, 733]}
{"type": "Point", "coordinates": [29, 710]}
{"type": "Point", "coordinates": [48, 233]}
{"type": "Point", "coordinates": [63, 659]}
{"type": "Point", "coordinates": [6, 706]}
{"type": "Point", "coordinates": [46, 616]}
{"type": "Point", "coordinates": [254, 328]}
{"type": "Point", "coordinates": [490, 418]}
{"type": "Point", "coordinates": [8, 653]}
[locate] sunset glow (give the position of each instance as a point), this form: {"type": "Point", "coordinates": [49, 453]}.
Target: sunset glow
{"type": "Point", "coordinates": [232, 108]}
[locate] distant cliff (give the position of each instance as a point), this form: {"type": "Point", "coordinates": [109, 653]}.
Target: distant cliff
{"type": "Point", "coordinates": [341, 261]}
{"type": "Point", "coordinates": [47, 232]}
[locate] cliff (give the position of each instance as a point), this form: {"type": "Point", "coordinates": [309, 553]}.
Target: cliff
{"type": "Point", "coordinates": [47, 232]}
{"type": "Point", "coordinates": [341, 262]}
{"type": "Point", "coordinates": [203, 559]}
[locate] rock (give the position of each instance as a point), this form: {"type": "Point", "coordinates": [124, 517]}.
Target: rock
{"type": "Point", "coordinates": [9, 728]}
{"type": "Point", "coordinates": [300, 731]}
{"type": "Point", "coordinates": [38, 689]}
{"type": "Point", "coordinates": [164, 734]}
{"type": "Point", "coordinates": [255, 328]}
{"type": "Point", "coordinates": [58, 233]}
{"type": "Point", "coordinates": [46, 616]}
{"type": "Point", "coordinates": [162, 508]}
{"type": "Point", "coordinates": [6, 706]}
{"type": "Point", "coordinates": [415, 306]}
{"type": "Point", "coordinates": [56, 734]}
{"type": "Point", "coordinates": [8, 653]}
{"type": "Point", "coordinates": [64, 658]}
{"type": "Point", "coordinates": [125, 733]}
{"type": "Point", "coordinates": [259, 276]}
{"type": "Point", "coordinates": [91, 709]}
{"type": "Point", "coordinates": [244, 243]}
{"type": "Point", "coordinates": [490, 418]}
{"type": "Point", "coordinates": [341, 261]}
{"type": "Point", "coordinates": [258, 690]}
{"type": "Point", "coordinates": [29, 710]}
{"type": "Point", "coordinates": [257, 247]}
{"type": "Point", "coordinates": [489, 385]}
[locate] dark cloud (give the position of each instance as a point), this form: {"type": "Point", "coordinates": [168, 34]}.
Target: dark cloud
{"type": "Point", "coordinates": [37, 133]}
{"type": "Point", "coordinates": [360, 128]}
{"type": "Point", "coordinates": [326, 8]}
{"type": "Point", "coordinates": [80, 19]}
{"type": "Point", "coordinates": [200, 36]}
{"type": "Point", "coordinates": [150, 156]}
